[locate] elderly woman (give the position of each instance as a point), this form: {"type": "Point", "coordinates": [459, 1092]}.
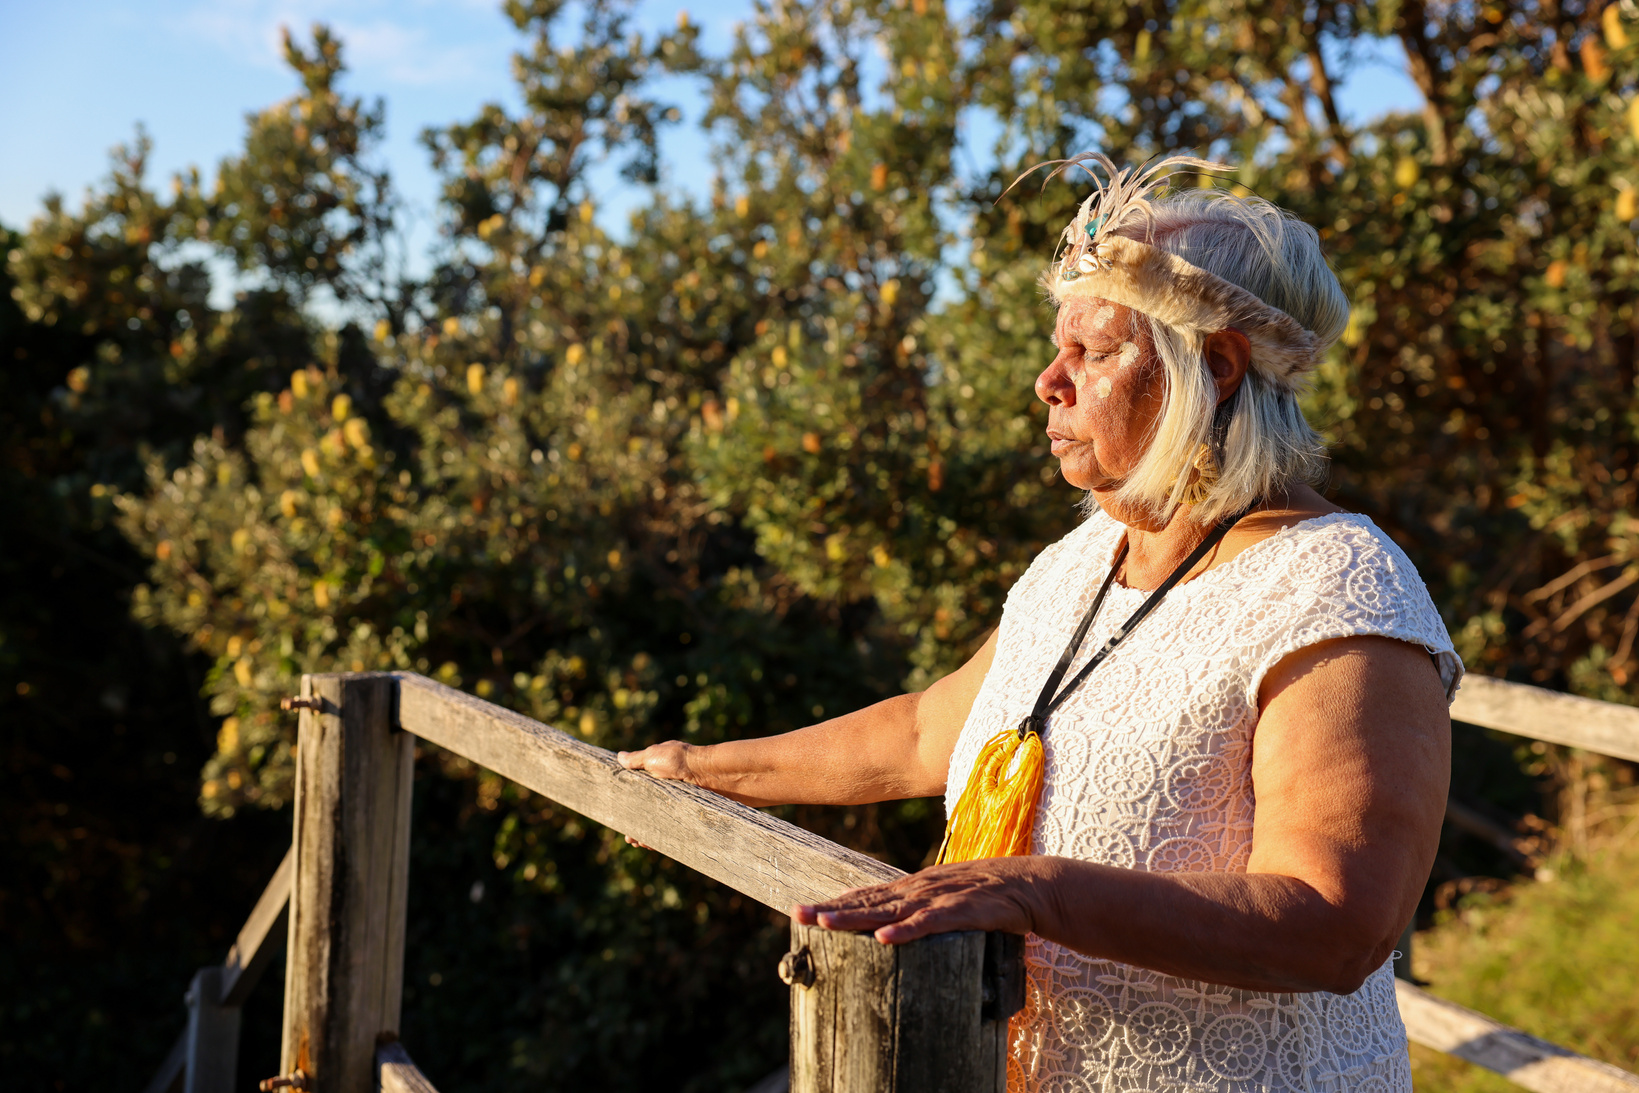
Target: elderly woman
{"type": "Point", "coordinates": [1241, 800]}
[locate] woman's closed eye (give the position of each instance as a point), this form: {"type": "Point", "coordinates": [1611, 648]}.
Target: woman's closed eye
{"type": "Point", "coordinates": [1084, 359]}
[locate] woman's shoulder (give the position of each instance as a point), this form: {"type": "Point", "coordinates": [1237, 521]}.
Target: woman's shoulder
{"type": "Point", "coordinates": [1328, 548]}
{"type": "Point", "coordinates": [1339, 556]}
{"type": "Point", "coordinates": [1340, 575]}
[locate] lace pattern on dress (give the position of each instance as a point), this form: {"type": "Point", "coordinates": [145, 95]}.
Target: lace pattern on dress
{"type": "Point", "coordinates": [1148, 766]}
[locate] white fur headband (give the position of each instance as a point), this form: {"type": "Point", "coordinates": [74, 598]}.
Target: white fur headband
{"type": "Point", "coordinates": [1095, 262]}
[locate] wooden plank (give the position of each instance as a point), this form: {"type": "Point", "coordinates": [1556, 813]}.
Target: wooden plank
{"type": "Point", "coordinates": [906, 1018]}
{"type": "Point", "coordinates": [1540, 714]}
{"type": "Point", "coordinates": [396, 1072]}
{"type": "Point", "coordinates": [345, 967]}
{"type": "Point", "coordinates": [1519, 1057]}
{"type": "Point", "coordinates": [766, 858]}
{"type": "Point", "coordinates": [169, 1075]}
{"type": "Point", "coordinates": [261, 935]}
{"type": "Point", "coordinates": [213, 1036]}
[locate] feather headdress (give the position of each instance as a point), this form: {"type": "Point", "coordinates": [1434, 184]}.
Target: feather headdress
{"type": "Point", "coordinates": [1097, 257]}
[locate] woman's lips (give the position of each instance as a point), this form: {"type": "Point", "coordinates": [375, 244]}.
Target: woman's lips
{"type": "Point", "coordinates": [1060, 442]}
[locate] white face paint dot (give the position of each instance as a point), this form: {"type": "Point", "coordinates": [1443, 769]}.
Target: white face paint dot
{"type": "Point", "coordinates": [1103, 315]}
{"type": "Point", "coordinates": [1129, 353]}
{"type": "Point", "coordinates": [1103, 387]}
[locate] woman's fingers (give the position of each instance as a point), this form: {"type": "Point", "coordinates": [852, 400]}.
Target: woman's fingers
{"type": "Point", "coordinates": [915, 926]}
{"type": "Point", "coordinates": [849, 902]}
{"type": "Point", "coordinates": [969, 896]}
{"type": "Point", "coordinates": [867, 917]}
{"type": "Point", "coordinates": [667, 760]}
{"type": "Point", "coordinates": [901, 917]}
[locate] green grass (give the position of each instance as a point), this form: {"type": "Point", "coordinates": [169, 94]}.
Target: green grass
{"type": "Point", "coordinates": [1557, 958]}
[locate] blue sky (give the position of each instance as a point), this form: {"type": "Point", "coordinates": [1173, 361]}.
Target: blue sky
{"type": "Point", "coordinates": [78, 77]}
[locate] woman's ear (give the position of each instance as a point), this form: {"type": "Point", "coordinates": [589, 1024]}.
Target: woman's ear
{"type": "Point", "coordinates": [1228, 355]}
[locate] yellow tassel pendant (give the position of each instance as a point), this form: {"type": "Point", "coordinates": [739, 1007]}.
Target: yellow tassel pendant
{"type": "Point", "coordinates": [997, 810]}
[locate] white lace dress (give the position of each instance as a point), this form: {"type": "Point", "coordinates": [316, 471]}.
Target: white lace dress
{"type": "Point", "coordinates": [1149, 766]}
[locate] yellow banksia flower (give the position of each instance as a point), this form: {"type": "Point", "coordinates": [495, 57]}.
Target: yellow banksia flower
{"type": "Point", "coordinates": [227, 737]}
{"type": "Point", "coordinates": [1616, 35]}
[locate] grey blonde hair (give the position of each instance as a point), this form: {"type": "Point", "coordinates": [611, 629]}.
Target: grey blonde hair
{"type": "Point", "coordinates": [1260, 441]}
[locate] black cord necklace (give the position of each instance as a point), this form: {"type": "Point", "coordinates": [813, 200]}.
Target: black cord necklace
{"type": "Point", "coordinates": [1047, 702]}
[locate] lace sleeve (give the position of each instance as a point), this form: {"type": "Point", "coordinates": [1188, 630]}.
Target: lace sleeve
{"type": "Point", "coordinates": [1345, 579]}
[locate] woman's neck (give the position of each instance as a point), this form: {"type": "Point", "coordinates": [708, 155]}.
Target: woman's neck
{"type": "Point", "coordinates": [1155, 548]}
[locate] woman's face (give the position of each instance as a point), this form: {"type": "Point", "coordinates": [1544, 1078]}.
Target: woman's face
{"type": "Point", "coordinates": [1103, 392]}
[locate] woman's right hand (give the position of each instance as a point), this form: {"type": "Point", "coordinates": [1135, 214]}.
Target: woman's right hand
{"type": "Point", "coordinates": [665, 760]}
{"type": "Point", "coordinates": [669, 759]}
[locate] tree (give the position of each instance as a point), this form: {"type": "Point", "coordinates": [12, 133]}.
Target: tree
{"type": "Point", "coordinates": [774, 455]}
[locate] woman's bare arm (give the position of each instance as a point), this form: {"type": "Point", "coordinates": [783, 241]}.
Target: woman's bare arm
{"type": "Point", "coordinates": [1350, 767]}
{"type": "Point", "coordinates": [898, 748]}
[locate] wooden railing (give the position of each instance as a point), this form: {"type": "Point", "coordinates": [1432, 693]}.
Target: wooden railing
{"type": "Point", "coordinates": [865, 1018]}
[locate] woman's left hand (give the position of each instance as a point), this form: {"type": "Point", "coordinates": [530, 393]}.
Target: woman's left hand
{"type": "Point", "coordinates": [991, 894]}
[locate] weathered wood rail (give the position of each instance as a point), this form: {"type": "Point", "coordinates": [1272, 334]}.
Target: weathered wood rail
{"type": "Point", "coordinates": [1601, 727]}
{"type": "Point", "coordinates": [931, 1015]}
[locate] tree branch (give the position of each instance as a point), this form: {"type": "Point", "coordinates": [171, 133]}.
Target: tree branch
{"type": "Point", "coordinates": [1321, 83]}
{"type": "Point", "coordinates": [1423, 67]}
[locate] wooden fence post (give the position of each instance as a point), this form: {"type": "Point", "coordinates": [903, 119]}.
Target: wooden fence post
{"type": "Point", "coordinates": [213, 1036]}
{"type": "Point", "coordinates": [929, 1016]}
{"type": "Point", "coordinates": [344, 973]}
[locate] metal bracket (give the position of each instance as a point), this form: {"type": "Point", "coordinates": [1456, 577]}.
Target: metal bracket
{"type": "Point", "coordinates": [797, 969]}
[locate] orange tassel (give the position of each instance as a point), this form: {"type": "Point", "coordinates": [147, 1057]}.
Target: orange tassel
{"type": "Point", "coordinates": [997, 810]}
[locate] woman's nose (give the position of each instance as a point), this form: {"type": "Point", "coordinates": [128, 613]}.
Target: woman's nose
{"type": "Point", "coordinates": [1053, 386]}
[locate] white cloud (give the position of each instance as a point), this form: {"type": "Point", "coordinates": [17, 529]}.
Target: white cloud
{"type": "Point", "coordinates": [421, 43]}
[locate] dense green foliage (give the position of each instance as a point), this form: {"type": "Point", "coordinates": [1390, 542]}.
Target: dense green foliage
{"type": "Point", "coordinates": [759, 459]}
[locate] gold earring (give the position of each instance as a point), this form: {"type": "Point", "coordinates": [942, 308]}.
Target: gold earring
{"type": "Point", "coordinates": [1203, 472]}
